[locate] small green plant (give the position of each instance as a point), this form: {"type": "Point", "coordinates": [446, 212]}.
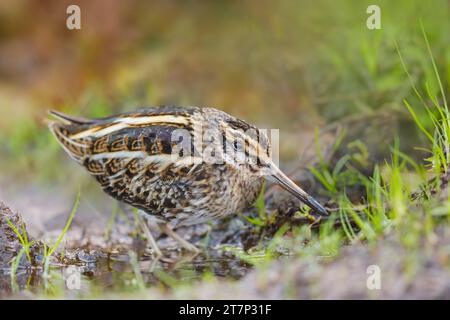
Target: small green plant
{"type": "Point", "coordinates": [15, 266]}
{"type": "Point", "coordinates": [260, 205]}
{"type": "Point", "coordinates": [140, 283]}
{"type": "Point", "coordinates": [438, 114]}
{"type": "Point", "coordinates": [23, 238]}
{"type": "Point", "coordinates": [346, 210]}
{"type": "Point", "coordinates": [50, 250]}
{"type": "Point", "coordinates": [376, 202]}
{"type": "Point", "coordinates": [111, 221]}
{"type": "Point", "coordinates": [343, 173]}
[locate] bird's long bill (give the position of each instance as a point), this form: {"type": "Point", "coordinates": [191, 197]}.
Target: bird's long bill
{"type": "Point", "coordinates": [298, 192]}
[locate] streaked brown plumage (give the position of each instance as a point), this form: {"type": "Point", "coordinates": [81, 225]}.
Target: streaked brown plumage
{"type": "Point", "coordinates": [131, 155]}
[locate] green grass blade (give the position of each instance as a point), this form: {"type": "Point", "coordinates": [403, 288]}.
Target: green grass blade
{"type": "Point", "coordinates": [417, 121]}
{"type": "Point", "coordinates": [433, 62]}
{"type": "Point", "coordinates": [66, 227]}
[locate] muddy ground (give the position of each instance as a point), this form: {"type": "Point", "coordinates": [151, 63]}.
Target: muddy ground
{"type": "Point", "coordinates": [342, 278]}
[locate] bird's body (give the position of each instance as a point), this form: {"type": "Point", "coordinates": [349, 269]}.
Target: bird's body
{"type": "Point", "coordinates": [130, 155]}
{"type": "Point", "coordinates": [138, 158]}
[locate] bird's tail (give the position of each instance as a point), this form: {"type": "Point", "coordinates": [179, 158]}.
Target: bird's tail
{"type": "Point", "coordinates": [70, 120]}
{"type": "Point", "coordinates": [63, 128]}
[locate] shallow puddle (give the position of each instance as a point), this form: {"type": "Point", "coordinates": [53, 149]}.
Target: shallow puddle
{"type": "Point", "coordinates": [118, 273]}
{"type": "Point", "coordinates": [119, 264]}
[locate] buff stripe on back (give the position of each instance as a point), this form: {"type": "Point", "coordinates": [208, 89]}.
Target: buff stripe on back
{"type": "Point", "coordinates": [130, 122]}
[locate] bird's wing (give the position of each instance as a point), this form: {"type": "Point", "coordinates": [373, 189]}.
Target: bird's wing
{"type": "Point", "coordinates": [148, 130]}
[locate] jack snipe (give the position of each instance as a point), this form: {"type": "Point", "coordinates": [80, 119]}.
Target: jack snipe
{"type": "Point", "coordinates": [181, 165]}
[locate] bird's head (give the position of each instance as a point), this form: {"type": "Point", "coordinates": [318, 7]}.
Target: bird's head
{"type": "Point", "coordinates": [249, 147]}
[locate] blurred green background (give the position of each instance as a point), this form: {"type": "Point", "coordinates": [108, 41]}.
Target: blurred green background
{"type": "Point", "coordinates": [292, 65]}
